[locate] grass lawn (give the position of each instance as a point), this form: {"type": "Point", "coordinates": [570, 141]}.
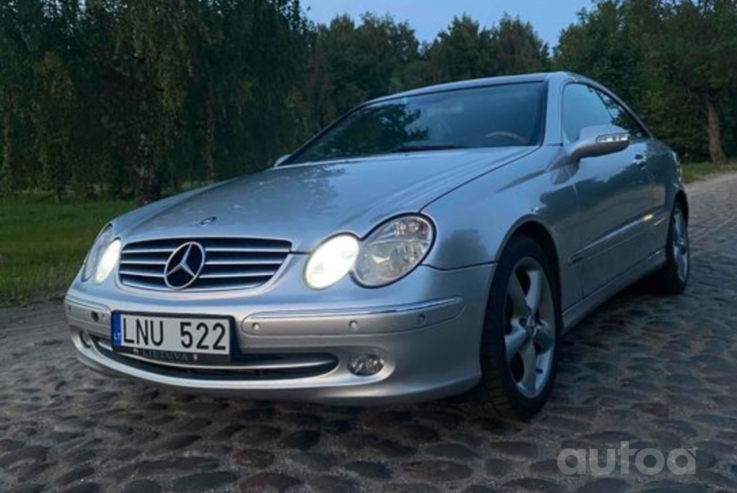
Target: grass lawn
{"type": "Point", "coordinates": [43, 243]}
{"type": "Point", "coordinates": [699, 171]}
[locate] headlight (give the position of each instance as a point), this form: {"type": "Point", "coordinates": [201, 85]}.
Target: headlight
{"type": "Point", "coordinates": [103, 256]}
{"type": "Point", "coordinates": [393, 250]}
{"type": "Point", "coordinates": [331, 261]}
{"type": "Point", "coordinates": [108, 261]}
{"type": "Point", "coordinates": [93, 257]}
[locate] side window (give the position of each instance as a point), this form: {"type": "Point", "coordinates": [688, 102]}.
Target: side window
{"type": "Point", "coordinates": [622, 118]}
{"type": "Point", "coordinates": [582, 107]}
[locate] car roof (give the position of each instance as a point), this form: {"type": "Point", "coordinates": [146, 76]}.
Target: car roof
{"type": "Point", "coordinates": [485, 82]}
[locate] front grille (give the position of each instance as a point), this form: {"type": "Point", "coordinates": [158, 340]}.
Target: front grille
{"type": "Point", "coordinates": [230, 263]}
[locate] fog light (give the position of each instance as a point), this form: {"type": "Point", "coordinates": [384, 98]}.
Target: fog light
{"type": "Point", "coordinates": [366, 365]}
{"type": "Point", "coordinates": [85, 339]}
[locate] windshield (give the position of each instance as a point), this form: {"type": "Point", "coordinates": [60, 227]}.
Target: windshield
{"type": "Point", "coordinates": [492, 116]}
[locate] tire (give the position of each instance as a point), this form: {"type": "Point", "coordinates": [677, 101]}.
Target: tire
{"type": "Point", "coordinates": [673, 277]}
{"type": "Point", "coordinates": [513, 324]}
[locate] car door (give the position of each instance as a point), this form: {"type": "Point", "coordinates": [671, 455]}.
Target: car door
{"type": "Point", "coordinates": [653, 157]}
{"type": "Point", "coordinates": [614, 192]}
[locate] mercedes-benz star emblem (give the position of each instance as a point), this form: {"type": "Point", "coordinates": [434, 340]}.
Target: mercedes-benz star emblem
{"type": "Point", "coordinates": [184, 266]}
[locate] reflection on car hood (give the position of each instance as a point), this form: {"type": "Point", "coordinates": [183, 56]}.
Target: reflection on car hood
{"type": "Point", "coordinates": [307, 203]}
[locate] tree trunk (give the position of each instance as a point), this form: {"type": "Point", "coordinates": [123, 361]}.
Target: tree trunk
{"type": "Point", "coordinates": [148, 180]}
{"type": "Point", "coordinates": [716, 152]}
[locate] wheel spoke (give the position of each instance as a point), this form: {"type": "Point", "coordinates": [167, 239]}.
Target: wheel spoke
{"type": "Point", "coordinates": [531, 326]}
{"type": "Point", "coordinates": [545, 337]}
{"type": "Point", "coordinates": [677, 227]}
{"type": "Point", "coordinates": [534, 295]}
{"type": "Point", "coordinates": [514, 341]}
{"type": "Point", "coordinates": [517, 295]}
{"type": "Point", "coordinates": [680, 245]}
{"type": "Point", "coordinates": [529, 362]}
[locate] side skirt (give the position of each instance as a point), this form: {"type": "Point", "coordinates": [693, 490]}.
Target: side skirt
{"type": "Point", "coordinates": [577, 312]}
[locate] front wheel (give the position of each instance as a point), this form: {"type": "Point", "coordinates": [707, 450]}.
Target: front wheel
{"type": "Point", "coordinates": [673, 277]}
{"type": "Point", "coordinates": [519, 353]}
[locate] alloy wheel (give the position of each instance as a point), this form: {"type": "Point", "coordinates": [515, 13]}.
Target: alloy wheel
{"type": "Point", "coordinates": [530, 333]}
{"type": "Point", "coordinates": [680, 244]}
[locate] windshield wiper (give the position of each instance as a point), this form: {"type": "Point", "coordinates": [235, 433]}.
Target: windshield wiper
{"type": "Point", "coordinates": [405, 149]}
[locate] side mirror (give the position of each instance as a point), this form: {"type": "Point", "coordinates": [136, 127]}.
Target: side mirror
{"type": "Point", "coordinates": [599, 141]}
{"type": "Point", "coordinates": [281, 160]}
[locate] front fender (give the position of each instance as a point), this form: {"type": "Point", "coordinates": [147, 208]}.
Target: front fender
{"type": "Point", "coordinates": [476, 221]}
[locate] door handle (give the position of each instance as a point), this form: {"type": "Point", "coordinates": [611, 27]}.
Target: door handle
{"type": "Point", "coordinates": [640, 161]}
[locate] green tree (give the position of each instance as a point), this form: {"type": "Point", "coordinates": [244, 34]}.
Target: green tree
{"type": "Point", "coordinates": [351, 63]}
{"type": "Point", "coordinates": [463, 51]}
{"type": "Point", "coordinates": [674, 60]}
{"type": "Point", "coordinates": [601, 46]}
{"type": "Point", "coordinates": [699, 52]}
{"type": "Point", "coordinates": [250, 71]}
{"type": "Point", "coordinates": [466, 50]}
{"type": "Point", "coordinates": [53, 110]}
{"type": "Point", "coordinates": [517, 49]}
{"type": "Point", "coordinates": [21, 36]}
{"type": "Point", "coordinates": [139, 98]}
{"type": "Point", "coordinates": [154, 59]}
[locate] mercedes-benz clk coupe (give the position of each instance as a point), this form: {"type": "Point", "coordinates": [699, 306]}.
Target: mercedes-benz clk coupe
{"type": "Point", "coordinates": [426, 244]}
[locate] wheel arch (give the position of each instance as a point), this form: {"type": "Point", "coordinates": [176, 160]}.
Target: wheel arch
{"type": "Point", "coordinates": [493, 390]}
{"type": "Point", "coordinates": [682, 199]}
{"type": "Point", "coordinates": [539, 233]}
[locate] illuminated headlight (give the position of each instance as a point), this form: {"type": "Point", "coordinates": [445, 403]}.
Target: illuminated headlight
{"type": "Point", "coordinates": [332, 261]}
{"type": "Point", "coordinates": [103, 257]}
{"type": "Point", "coordinates": [393, 250]}
{"type": "Point", "coordinates": [108, 261]}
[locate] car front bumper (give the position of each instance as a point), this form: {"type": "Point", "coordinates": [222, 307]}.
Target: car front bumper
{"type": "Point", "coordinates": [426, 330]}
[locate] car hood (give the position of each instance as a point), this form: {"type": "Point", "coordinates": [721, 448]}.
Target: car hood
{"type": "Point", "coordinates": [305, 204]}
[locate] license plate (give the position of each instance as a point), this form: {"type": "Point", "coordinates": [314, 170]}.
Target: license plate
{"type": "Point", "coordinates": [186, 341]}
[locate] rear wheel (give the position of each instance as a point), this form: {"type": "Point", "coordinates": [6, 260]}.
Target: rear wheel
{"type": "Point", "coordinates": [673, 277]}
{"type": "Point", "coordinates": [519, 353]}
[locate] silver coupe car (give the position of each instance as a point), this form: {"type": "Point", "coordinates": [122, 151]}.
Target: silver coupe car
{"type": "Point", "coordinates": [426, 244]}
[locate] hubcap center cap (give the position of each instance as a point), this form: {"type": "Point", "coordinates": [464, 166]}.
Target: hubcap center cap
{"type": "Point", "coordinates": [531, 326]}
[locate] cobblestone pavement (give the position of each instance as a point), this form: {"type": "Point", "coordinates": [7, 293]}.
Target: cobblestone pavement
{"type": "Point", "coordinates": [655, 371]}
